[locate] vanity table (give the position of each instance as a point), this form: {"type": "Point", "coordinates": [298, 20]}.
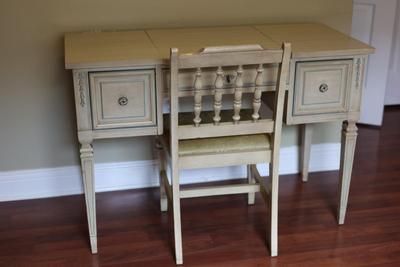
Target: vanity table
{"type": "Point", "coordinates": [121, 78]}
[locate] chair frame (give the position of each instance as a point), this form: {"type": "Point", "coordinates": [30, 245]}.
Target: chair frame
{"type": "Point", "coordinates": [222, 57]}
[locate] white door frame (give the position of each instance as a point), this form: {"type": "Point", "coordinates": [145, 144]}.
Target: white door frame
{"type": "Point", "coordinates": [373, 23]}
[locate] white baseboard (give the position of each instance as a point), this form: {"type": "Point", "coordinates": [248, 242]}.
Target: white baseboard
{"type": "Point", "coordinates": [61, 181]}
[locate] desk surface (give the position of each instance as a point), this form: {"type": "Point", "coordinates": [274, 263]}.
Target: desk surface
{"type": "Point", "coordinates": [143, 47]}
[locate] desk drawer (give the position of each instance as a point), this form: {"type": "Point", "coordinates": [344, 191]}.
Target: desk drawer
{"type": "Point", "coordinates": [322, 87]}
{"type": "Point", "coordinates": [123, 99]}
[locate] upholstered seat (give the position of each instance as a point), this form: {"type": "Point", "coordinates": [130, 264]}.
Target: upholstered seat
{"type": "Point", "coordinates": [217, 145]}
{"type": "Point", "coordinates": [226, 144]}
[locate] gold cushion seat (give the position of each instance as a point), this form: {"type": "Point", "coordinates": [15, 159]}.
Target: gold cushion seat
{"type": "Point", "coordinates": [218, 145]}
{"type": "Point", "coordinates": [226, 144]}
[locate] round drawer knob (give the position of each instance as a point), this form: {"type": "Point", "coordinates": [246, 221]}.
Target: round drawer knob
{"type": "Point", "coordinates": [323, 88]}
{"type": "Point", "coordinates": [123, 101]}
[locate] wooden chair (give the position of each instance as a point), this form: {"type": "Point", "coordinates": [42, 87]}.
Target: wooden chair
{"type": "Point", "coordinates": [224, 137]}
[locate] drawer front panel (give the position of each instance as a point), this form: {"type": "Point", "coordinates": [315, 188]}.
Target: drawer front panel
{"type": "Point", "coordinates": [123, 99]}
{"type": "Point", "coordinates": [322, 87]}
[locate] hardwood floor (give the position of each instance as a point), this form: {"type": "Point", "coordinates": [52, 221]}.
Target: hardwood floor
{"type": "Point", "coordinates": [224, 231]}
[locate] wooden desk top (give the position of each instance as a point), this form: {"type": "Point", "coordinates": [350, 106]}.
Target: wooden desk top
{"type": "Point", "coordinates": [146, 47]}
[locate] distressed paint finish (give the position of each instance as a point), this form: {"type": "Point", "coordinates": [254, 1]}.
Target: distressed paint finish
{"type": "Point", "coordinates": [150, 54]}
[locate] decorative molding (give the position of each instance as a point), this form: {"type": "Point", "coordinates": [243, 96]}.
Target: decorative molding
{"type": "Point", "coordinates": [61, 181]}
{"type": "Point", "coordinates": [81, 83]}
{"type": "Point", "coordinates": [358, 73]}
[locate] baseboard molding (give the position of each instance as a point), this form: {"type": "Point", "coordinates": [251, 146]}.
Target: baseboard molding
{"type": "Point", "coordinates": [61, 181]}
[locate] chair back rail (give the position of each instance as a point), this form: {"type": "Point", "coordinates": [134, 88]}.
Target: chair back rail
{"type": "Point", "coordinates": [231, 58]}
{"type": "Point", "coordinates": [218, 58]}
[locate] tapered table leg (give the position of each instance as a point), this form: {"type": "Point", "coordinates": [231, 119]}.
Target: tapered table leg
{"type": "Point", "coordinates": [306, 136]}
{"type": "Point", "coordinates": [250, 178]}
{"type": "Point", "coordinates": [349, 138]}
{"type": "Point", "coordinates": [87, 163]}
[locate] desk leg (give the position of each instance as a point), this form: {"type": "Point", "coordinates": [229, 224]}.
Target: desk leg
{"type": "Point", "coordinates": [306, 136]}
{"type": "Point", "coordinates": [349, 138]}
{"type": "Point", "coordinates": [90, 197]}
{"type": "Point", "coordinates": [251, 197]}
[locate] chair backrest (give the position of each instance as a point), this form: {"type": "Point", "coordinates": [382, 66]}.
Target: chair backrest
{"type": "Point", "coordinates": [218, 59]}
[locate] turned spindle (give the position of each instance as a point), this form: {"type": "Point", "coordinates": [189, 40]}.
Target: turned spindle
{"type": "Point", "coordinates": [197, 98]}
{"type": "Point", "coordinates": [257, 94]}
{"type": "Point", "coordinates": [237, 101]}
{"type": "Point", "coordinates": [219, 83]}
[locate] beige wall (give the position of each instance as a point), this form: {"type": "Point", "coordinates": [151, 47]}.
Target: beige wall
{"type": "Point", "coordinates": [37, 118]}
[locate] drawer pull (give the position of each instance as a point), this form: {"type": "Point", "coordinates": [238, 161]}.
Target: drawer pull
{"type": "Point", "coordinates": [323, 88]}
{"type": "Point", "coordinates": [123, 101]}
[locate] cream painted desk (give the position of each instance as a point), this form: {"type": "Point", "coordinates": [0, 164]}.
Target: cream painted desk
{"type": "Point", "coordinates": [120, 79]}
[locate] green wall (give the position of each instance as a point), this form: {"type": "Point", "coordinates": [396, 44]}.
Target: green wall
{"type": "Point", "coordinates": [37, 117]}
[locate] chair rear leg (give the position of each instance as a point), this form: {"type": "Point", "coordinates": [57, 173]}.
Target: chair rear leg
{"type": "Point", "coordinates": [273, 208]}
{"type": "Point", "coordinates": [250, 178]}
{"type": "Point", "coordinates": [177, 216]}
{"type": "Point", "coordinates": [162, 164]}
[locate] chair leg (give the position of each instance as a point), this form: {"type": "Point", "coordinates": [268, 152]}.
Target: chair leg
{"type": "Point", "coordinates": [162, 163]}
{"type": "Point", "coordinates": [177, 216]}
{"type": "Point", "coordinates": [273, 208]}
{"type": "Point", "coordinates": [306, 136]}
{"type": "Point", "coordinates": [250, 178]}
{"type": "Point", "coordinates": [163, 197]}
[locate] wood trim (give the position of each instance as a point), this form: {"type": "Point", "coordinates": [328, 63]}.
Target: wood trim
{"type": "Point", "coordinates": [231, 48]}
{"type": "Point", "coordinates": [219, 190]}
{"type": "Point", "coordinates": [229, 59]}
{"type": "Point", "coordinates": [160, 99]}
{"type": "Point", "coordinates": [124, 132]}
{"type": "Point", "coordinates": [227, 90]}
{"type": "Point", "coordinates": [225, 129]}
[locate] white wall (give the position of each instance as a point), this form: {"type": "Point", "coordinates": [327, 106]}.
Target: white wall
{"type": "Point", "coordinates": [37, 117]}
{"type": "Point", "coordinates": [38, 145]}
{"type": "Point", "coordinates": [392, 96]}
